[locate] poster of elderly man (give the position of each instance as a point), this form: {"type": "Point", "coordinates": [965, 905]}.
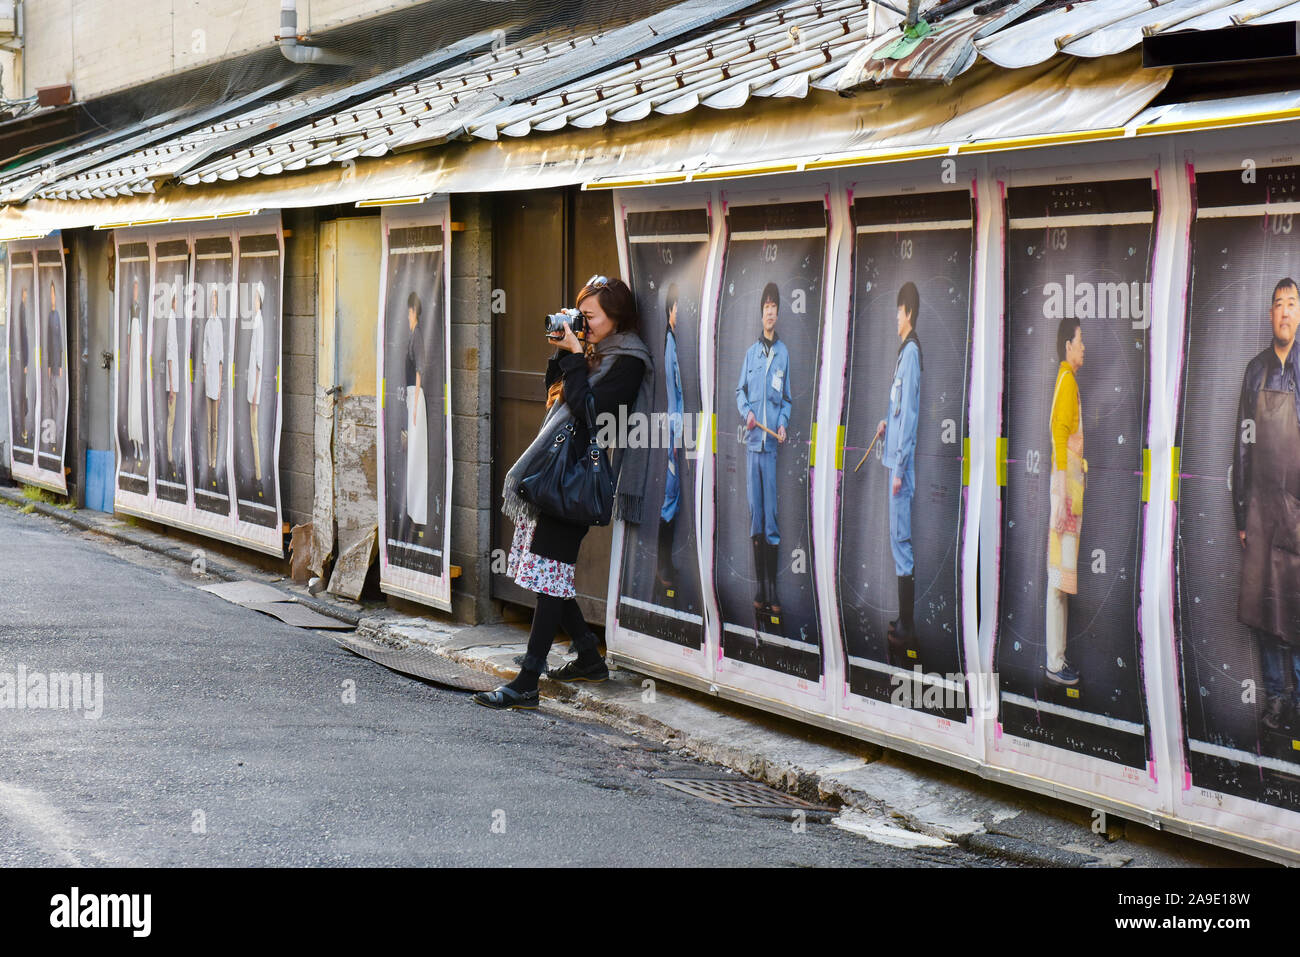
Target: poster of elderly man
{"type": "Point", "coordinates": [1238, 495]}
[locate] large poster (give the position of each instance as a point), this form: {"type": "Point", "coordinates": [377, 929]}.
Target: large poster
{"type": "Point", "coordinates": [210, 352]}
{"type": "Point", "coordinates": [38, 363]}
{"type": "Point", "coordinates": [1074, 403]}
{"type": "Point", "coordinates": [255, 393]}
{"type": "Point", "coordinates": [659, 590]}
{"type": "Point", "coordinates": [904, 424]}
{"type": "Point", "coordinates": [415, 421]}
{"type": "Point", "coordinates": [1237, 513]}
{"type": "Point", "coordinates": [767, 354]}
{"type": "Point", "coordinates": [130, 374]}
{"type": "Point", "coordinates": [198, 379]}
{"type": "Point", "coordinates": [169, 339]}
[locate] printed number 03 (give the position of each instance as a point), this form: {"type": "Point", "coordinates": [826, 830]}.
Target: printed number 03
{"type": "Point", "coordinates": [769, 252]}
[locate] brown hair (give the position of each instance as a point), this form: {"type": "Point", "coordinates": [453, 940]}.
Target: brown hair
{"type": "Point", "coordinates": [617, 301]}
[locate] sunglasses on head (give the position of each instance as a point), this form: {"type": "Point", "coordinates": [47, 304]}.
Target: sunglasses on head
{"type": "Point", "coordinates": [596, 281]}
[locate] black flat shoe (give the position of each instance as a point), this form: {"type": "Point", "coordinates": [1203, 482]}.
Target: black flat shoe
{"type": "Point", "coordinates": [572, 671]}
{"type": "Point", "coordinates": [505, 698]}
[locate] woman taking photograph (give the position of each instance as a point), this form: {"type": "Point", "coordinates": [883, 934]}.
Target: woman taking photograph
{"type": "Point", "coordinates": [613, 365]}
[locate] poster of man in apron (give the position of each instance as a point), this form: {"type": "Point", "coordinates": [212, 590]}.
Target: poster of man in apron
{"type": "Point", "coordinates": [1266, 505]}
{"type": "Point", "coordinates": [1237, 498]}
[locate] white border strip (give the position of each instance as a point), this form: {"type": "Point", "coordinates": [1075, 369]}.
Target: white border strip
{"type": "Point", "coordinates": [928, 678]}
{"type": "Point", "coordinates": [1244, 757]}
{"type": "Point", "coordinates": [764, 638]}
{"type": "Point", "coordinates": [1091, 219]}
{"type": "Point", "coordinates": [660, 610]}
{"type": "Point", "coordinates": [1115, 724]}
{"type": "Point", "coordinates": [914, 227]}
{"type": "Point", "coordinates": [671, 238]}
{"type": "Point", "coordinates": [411, 250]}
{"type": "Point", "coordinates": [810, 232]}
{"type": "Point", "coordinates": [1252, 209]}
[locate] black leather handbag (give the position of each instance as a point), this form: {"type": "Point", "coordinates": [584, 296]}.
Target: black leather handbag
{"type": "Point", "coordinates": [572, 484]}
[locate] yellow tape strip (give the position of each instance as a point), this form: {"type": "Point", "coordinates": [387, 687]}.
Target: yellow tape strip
{"type": "Point", "coordinates": [1002, 460]}
{"type": "Point", "coordinates": [1146, 475]}
{"type": "Point", "coordinates": [812, 449]}
{"type": "Point", "coordinates": [714, 423]}
{"type": "Point", "coordinates": [965, 460]}
{"type": "Point", "coordinates": [1175, 479]}
{"type": "Point", "coordinates": [839, 448]}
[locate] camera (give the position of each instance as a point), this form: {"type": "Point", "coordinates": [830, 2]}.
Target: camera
{"type": "Point", "coordinates": [556, 320]}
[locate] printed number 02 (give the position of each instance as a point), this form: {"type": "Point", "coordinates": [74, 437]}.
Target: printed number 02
{"type": "Point", "coordinates": [1032, 458]}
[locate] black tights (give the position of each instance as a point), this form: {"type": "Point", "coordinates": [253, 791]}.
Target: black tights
{"type": "Point", "coordinates": [553, 613]}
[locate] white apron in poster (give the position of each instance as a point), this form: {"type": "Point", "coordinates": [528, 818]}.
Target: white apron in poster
{"type": "Point", "coordinates": [660, 608]}
{"type": "Point", "coordinates": [902, 508]}
{"type": "Point", "coordinates": [197, 384]}
{"type": "Point", "coordinates": [414, 444]}
{"type": "Point", "coordinates": [1067, 645]}
{"type": "Point", "coordinates": [38, 363]}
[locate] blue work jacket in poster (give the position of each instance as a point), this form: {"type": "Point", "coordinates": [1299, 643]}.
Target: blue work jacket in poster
{"type": "Point", "coordinates": [764, 389]}
{"type": "Point", "coordinates": [900, 424]}
{"type": "Point", "coordinates": [673, 378]}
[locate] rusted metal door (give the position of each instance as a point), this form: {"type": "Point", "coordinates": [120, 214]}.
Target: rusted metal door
{"type": "Point", "coordinates": [546, 243]}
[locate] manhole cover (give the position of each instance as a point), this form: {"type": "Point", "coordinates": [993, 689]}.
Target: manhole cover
{"type": "Point", "coordinates": [422, 663]}
{"type": "Point", "coordinates": [739, 793]}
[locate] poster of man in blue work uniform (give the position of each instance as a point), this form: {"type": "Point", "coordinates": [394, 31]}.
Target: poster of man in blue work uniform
{"type": "Point", "coordinates": [768, 341]}
{"type": "Point", "coordinates": [899, 552]}
{"type": "Point", "coordinates": [1237, 515]}
{"type": "Point", "coordinates": [763, 400]}
{"type": "Point", "coordinates": [898, 430]}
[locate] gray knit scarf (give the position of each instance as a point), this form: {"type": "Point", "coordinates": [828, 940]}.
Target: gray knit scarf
{"type": "Point", "coordinates": [632, 465]}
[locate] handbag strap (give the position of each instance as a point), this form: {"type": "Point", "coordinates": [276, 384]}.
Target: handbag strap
{"type": "Point", "coordinates": [590, 414]}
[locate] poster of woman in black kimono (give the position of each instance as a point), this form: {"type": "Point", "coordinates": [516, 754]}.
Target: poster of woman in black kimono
{"type": "Point", "coordinates": [414, 410]}
{"type": "Point", "coordinates": [133, 444]}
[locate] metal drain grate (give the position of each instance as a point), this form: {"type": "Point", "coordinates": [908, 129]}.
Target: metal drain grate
{"type": "Point", "coordinates": [421, 663]}
{"type": "Point", "coordinates": [739, 793]}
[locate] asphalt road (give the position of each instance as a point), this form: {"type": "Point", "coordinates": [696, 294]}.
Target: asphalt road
{"type": "Point", "coordinates": [225, 739]}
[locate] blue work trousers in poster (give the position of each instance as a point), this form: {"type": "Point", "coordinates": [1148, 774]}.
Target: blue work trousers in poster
{"type": "Point", "coordinates": [900, 522]}
{"type": "Point", "coordinates": [760, 480]}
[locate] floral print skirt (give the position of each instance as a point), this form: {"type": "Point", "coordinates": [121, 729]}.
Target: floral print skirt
{"type": "Point", "coordinates": [546, 576]}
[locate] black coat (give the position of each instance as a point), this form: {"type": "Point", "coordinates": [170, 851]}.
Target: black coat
{"type": "Point", "coordinates": [1262, 372]}
{"type": "Point", "coordinates": [555, 538]}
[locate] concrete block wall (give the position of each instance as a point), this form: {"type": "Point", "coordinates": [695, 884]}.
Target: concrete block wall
{"type": "Point", "coordinates": [298, 374]}
{"type": "Point", "coordinates": [471, 408]}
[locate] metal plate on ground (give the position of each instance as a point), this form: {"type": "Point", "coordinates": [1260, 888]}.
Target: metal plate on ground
{"type": "Point", "coordinates": [422, 663]}
{"type": "Point", "coordinates": [246, 592]}
{"type": "Point", "coordinates": [300, 616]}
{"type": "Point", "coordinates": [740, 794]}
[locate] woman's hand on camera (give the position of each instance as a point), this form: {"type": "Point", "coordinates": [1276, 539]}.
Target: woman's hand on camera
{"type": "Point", "coordinates": [568, 341]}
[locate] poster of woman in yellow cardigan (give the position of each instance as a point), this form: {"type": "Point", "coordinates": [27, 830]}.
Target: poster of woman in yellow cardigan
{"type": "Point", "coordinates": [1069, 478]}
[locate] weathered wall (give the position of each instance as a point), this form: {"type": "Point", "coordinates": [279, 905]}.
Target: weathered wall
{"type": "Point", "coordinates": [471, 406]}
{"type": "Point", "coordinates": [297, 461]}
